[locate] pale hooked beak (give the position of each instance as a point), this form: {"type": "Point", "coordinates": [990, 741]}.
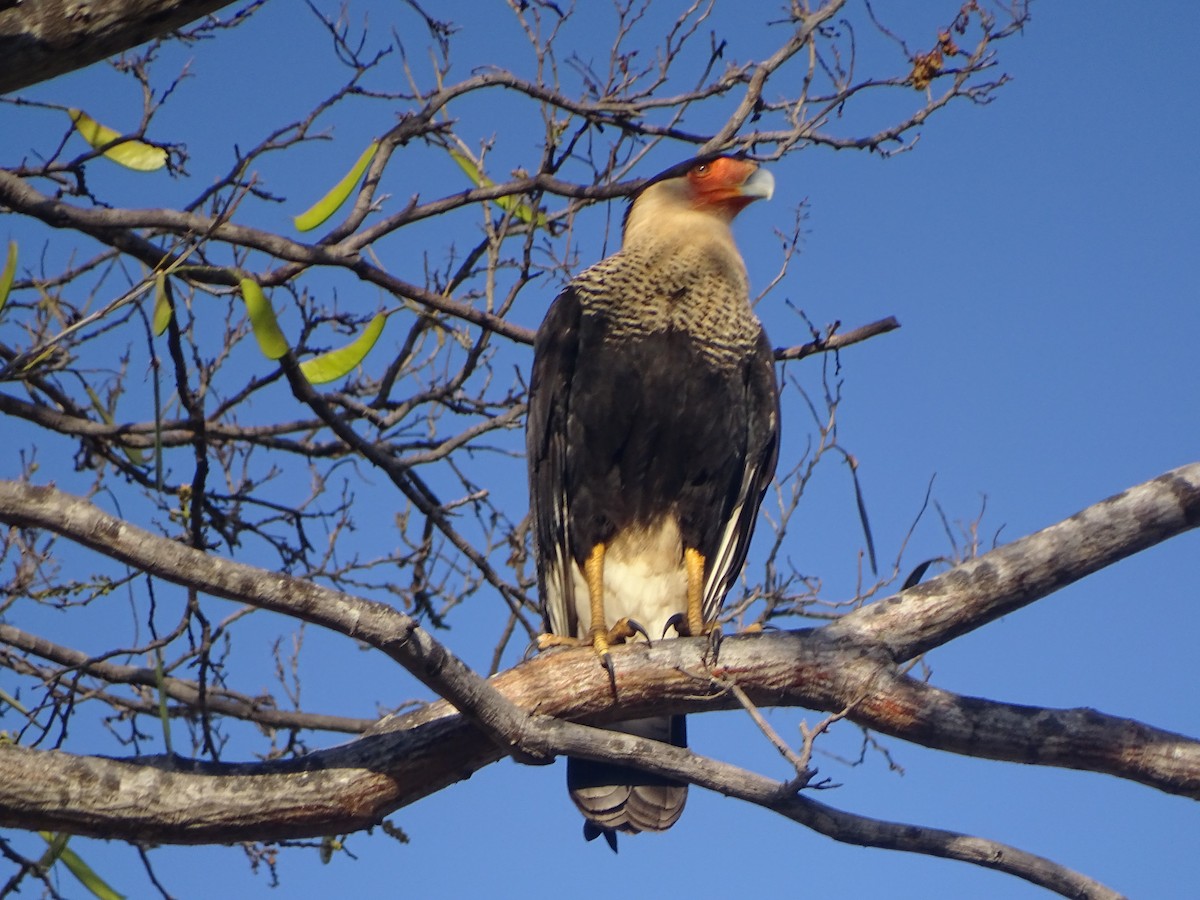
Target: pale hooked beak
{"type": "Point", "coordinates": [760, 185]}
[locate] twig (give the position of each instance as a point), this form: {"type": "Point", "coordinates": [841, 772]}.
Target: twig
{"type": "Point", "coordinates": [838, 341]}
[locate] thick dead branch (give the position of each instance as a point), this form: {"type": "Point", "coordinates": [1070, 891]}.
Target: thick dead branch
{"type": "Point", "coordinates": [412, 756]}
{"type": "Point", "coordinates": [829, 669]}
{"type": "Point", "coordinates": [1082, 739]}
{"type": "Point", "coordinates": [824, 819]}
{"type": "Point", "coordinates": [981, 590]}
{"type": "Point", "coordinates": [409, 757]}
{"type": "Point", "coordinates": [44, 39]}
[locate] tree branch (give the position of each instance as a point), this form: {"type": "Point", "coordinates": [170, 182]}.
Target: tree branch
{"type": "Point", "coordinates": [216, 701]}
{"type": "Point", "coordinates": [752, 99]}
{"type": "Point", "coordinates": [829, 669]}
{"type": "Point", "coordinates": [837, 341]}
{"type": "Point", "coordinates": [846, 827]}
{"type": "Point", "coordinates": [409, 757]}
{"type": "Point", "coordinates": [380, 626]}
{"type": "Point", "coordinates": [1082, 739]}
{"type": "Point", "coordinates": [48, 38]}
{"type": "Point", "coordinates": [990, 586]}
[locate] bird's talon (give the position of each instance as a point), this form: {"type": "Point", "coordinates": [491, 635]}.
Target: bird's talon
{"type": "Point", "coordinates": [678, 622]}
{"type": "Point", "coordinates": [625, 629]}
{"type": "Point", "coordinates": [606, 660]}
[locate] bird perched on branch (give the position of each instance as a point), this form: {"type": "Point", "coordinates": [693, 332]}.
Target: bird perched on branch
{"type": "Point", "coordinates": [652, 435]}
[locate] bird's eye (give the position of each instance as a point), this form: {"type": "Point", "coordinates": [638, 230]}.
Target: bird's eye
{"type": "Point", "coordinates": [701, 169]}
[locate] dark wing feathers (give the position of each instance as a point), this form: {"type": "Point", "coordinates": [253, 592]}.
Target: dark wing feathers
{"type": "Point", "coordinates": [556, 350]}
{"type": "Point", "coordinates": [759, 460]}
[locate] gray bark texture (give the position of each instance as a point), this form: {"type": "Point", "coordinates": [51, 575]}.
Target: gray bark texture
{"type": "Point", "coordinates": [40, 39]}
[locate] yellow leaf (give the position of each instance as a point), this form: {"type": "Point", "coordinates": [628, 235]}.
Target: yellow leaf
{"type": "Point", "coordinates": [262, 319]}
{"type": "Point", "coordinates": [336, 363]}
{"type": "Point", "coordinates": [468, 165]}
{"type": "Point", "coordinates": [132, 154]}
{"type": "Point", "coordinates": [162, 305]}
{"type": "Point", "coordinates": [508, 204]}
{"type": "Point", "coordinates": [329, 204]}
{"type": "Point", "coordinates": [9, 273]}
{"type": "Point", "coordinates": [57, 851]}
{"type": "Point", "coordinates": [87, 876]}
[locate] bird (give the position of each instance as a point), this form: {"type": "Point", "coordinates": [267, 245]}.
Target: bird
{"type": "Point", "coordinates": [652, 435]}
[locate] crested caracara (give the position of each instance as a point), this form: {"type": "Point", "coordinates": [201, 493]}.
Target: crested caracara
{"type": "Point", "coordinates": [652, 435]}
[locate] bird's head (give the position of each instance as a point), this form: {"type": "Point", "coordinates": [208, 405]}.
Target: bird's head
{"type": "Point", "coordinates": [715, 187]}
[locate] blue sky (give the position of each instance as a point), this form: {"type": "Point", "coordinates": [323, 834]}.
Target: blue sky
{"type": "Point", "coordinates": [1040, 254]}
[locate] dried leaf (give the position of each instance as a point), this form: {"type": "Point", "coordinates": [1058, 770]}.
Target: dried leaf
{"type": "Point", "coordinates": [915, 576]}
{"type": "Point", "coordinates": [926, 66]}
{"type": "Point", "coordinates": [862, 514]}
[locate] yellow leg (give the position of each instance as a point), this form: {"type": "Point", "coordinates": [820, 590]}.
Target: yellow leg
{"type": "Point", "coordinates": [600, 636]}
{"type": "Point", "coordinates": [694, 562]}
{"type": "Point", "coordinates": [593, 572]}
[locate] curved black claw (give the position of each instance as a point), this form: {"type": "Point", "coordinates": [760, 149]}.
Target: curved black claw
{"type": "Point", "coordinates": [636, 627]}
{"type": "Point", "coordinates": [606, 659]}
{"type": "Point", "coordinates": [678, 622]}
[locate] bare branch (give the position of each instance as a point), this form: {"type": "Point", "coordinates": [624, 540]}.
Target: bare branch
{"type": "Point", "coordinates": [222, 702]}
{"type": "Point", "coordinates": [392, 632]}
{"type": "Point", "coordinates": [816, 669]}
{"type": "Point", "coordinates": [981, 590]}
{"type": "Point", "coordinates": [842, 826]}
{"type": "Point", "coordinates": [836, 341]}
{"type": "Point", "coordinates": [41, 40]}
{"type": "Point", "coordinates": [411, 756]}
